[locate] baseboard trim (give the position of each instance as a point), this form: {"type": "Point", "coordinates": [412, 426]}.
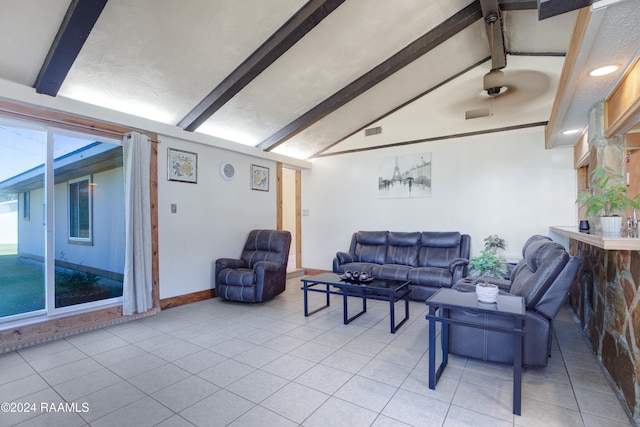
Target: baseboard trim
{"type": "Point", "coordinates": [187, 298]}
{"type": "Point", "coordinates": [312, 271]}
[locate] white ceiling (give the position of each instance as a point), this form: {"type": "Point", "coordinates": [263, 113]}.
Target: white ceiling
{"type": "Point", "coordinates": [158, 59]}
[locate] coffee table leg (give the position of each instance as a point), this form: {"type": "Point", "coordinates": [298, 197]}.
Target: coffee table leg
{"type": "Point", "coordinates": [344, 306]}
{"type": "Point", "coordinates": [432, 349]}
{"type": "Point", "coordinates": [517, 368]}
{"type": "Point", "coordinates": [306, 305]}
{"type": "Point", "coordinates": [392, 314]}
{"type": "Point", "coordinates": [392, 311]}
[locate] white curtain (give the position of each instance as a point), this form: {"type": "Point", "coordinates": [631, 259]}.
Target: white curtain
{"type": "Point", "coordinates": [136, 293]}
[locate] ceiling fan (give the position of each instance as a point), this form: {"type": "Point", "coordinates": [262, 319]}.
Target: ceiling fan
{"type": "Point", "coordinates": [507, 90]}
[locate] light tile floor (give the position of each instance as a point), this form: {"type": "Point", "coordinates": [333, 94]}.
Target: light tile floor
{"type": "Point", "coordinates": [216, 363]}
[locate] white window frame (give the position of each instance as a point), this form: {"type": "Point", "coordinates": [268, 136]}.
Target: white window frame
{"type": "Point", "coordinates": [71, 227]}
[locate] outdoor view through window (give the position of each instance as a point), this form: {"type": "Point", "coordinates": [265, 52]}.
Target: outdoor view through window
{"type": "Point", "coordinates": [61, 221]}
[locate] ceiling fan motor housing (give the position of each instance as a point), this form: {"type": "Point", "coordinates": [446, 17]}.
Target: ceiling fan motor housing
{"type": "Point", "coordinates": [493, 82]}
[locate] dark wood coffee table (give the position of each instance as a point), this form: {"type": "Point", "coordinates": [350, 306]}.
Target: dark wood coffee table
{"type": "Point", "coordinates": [376, 289]}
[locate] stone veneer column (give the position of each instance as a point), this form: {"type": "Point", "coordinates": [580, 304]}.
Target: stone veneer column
{"type": "Point", "coordinates": [605, 152]}
{"type": "Point", "coordinates": [605, 297]}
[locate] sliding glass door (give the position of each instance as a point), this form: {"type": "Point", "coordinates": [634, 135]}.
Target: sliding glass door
{"type": "Point", "coordinates": [65, 237]}
{"type": "Point", "coordinates": [22, 238]}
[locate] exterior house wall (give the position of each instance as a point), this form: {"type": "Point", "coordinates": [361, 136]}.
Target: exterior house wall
{"type": "Point", "coordinates": [107, 250]}
{"type": "Point", "coordinates": [503, 183]}
{"type": "Point", "coordinates": [8, 220]}
{"type": "Point", "coordinates": [31, 231]}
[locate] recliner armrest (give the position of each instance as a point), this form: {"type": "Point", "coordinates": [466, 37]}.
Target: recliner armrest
{"type": "Point", "coordinates": [229, 263]}
{"type": "Point", "coordinates": [345, 257]}
{"type": "Point", "coordinates": [502, 284]}
{"type": "Point", "coordinates": [268, 266]}
{"type": "Point", "coordinates": [468, 284]}
{"type": "Point", "coordinates": [457, 262]}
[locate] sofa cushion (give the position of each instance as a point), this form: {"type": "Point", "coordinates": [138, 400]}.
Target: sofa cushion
{"type": "Point", "coordinates": [430, 276]}
{"type": "Point", "coordinates": [391, 271]}
{"type": "Point", "coordinates": [403, 248]}
{"type": "Point", "coordinates": [371, 246]}
{"type": "Point", "coordinates": [438, 249]}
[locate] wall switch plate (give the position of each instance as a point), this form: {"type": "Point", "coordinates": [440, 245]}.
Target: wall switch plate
{"type": "Point", "coordinates": [174, 208]}
{"type": "Point", "coordinates": [305, 212]}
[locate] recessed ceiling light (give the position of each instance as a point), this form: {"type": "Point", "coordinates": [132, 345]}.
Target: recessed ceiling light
{"type": "Point", "coordinates": [571, 132]}
{"type": "Point", "coordinates": [603, 71]}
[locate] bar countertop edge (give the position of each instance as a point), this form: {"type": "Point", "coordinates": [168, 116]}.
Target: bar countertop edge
{"type": "Point", "coordinates": [607, 243]}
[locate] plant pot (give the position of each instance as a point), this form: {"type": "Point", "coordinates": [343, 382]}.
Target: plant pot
{"type": "Point", "coordinates": [487, 292]}
{"type": "Point", "coordinates": [611, 226]}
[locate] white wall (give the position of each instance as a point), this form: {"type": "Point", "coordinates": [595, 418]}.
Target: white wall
{"type": "Point", "coordinates": [213, 216]}
{"type": "Point", "coordinates": [502, 183]}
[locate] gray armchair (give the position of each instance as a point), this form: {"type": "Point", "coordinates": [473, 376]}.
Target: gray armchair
{"type": "Point", "coordinates": [543, 277]}
{"type": "Point", "coordinates": [261, 272]}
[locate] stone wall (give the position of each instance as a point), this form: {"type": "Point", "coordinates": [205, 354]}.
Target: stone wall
{"type": "Point", "coordinates": [606, 299]}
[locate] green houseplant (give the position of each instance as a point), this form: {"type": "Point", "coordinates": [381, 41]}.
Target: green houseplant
{"type": "Point", "coordinates": [490, 263]}
{"type": "Point", "coordinates": [607, 199]}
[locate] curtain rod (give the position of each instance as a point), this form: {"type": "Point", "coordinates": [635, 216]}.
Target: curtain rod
{"type": "Point", "coordinates": [65, 123]}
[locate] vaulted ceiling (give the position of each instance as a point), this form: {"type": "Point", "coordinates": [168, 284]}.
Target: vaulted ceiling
{"type": "Point", "coordinates": [300, 78]}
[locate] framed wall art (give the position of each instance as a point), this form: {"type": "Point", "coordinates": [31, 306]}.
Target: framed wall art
{"type": "Point", "coordinates": [182, 166]}
{"type": "Point", "coordinates": [259, 178]}
{"type": "Point", "coordinates": [407, 176]}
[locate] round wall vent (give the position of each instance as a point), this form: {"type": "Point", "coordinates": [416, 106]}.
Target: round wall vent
{"type": "Point", "coordinates": [227, 171]}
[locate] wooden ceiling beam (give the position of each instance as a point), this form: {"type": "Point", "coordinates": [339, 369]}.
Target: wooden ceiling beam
{"type": "Point", "coordinates": [310, 15]}
{"type": "Point", "coordinates": [78, 22]}
{"type": "Point", "coordinates": [447, 29]}
{"type": "Point", "coordinates": [518, 4]}
{"type": "Point", "coordinates": [549, 8]}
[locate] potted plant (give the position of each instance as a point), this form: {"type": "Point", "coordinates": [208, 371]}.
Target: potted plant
{"type": "Point", "coordinates": [607, 199]}
{"type": "Point", "coordinates": [489, 263]}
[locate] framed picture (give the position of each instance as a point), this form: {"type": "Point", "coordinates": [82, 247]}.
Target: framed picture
{"type": "Point", "coordinates": [407, 176]}
{"type": "Point", "coordinates": [182, 166]}
{"type": "Point", "coordinates": [259, 178]}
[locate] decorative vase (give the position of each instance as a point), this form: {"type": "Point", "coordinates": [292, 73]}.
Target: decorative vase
{"type": "Point", "coordinates": [487, 292]}
{"type": "Point", "coordinates": [611, 226]}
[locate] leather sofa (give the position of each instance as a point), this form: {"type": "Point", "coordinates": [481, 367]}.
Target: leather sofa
{"type": "Point", "coordinates": [430, 260]}
{"type": "Point", "coordinates": [543, 277]}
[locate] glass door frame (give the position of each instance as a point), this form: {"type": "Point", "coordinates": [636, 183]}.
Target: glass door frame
{"type": "Point", "coordinates": [50, 311]}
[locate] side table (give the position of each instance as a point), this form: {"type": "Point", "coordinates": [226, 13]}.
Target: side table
{"type": "Point", "coordinates": [450, 299]}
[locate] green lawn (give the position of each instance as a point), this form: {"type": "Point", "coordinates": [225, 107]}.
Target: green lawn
{"type": "Point", "coordinates": [21, 283]}
{"type": "Point", "coordinates": [22, 287]}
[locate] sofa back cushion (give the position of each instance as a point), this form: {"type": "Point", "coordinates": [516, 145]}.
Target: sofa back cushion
{"type": "Point", "coordinates": [438, 248]}
{"type": "Point", "coordinates": [544, 261]}
{"type": "Point", "coordinates": [371, 246]}
{"type": "Point", "coordinates": [403, 248]}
